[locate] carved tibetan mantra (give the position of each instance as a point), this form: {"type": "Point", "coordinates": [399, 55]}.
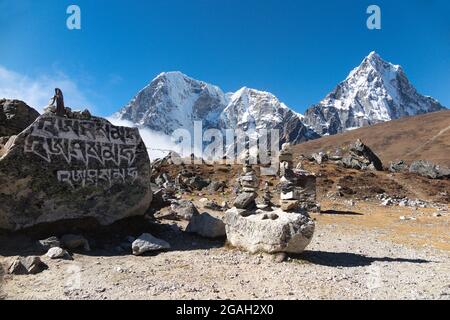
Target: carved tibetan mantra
{"type": "Point", "coordinates": [62, 168]}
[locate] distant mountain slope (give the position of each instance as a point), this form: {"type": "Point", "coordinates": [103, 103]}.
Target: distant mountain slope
{"type": "Point", "coordinates": [376, 91]}
{"type": "Point", "coordinates": [419, 137]}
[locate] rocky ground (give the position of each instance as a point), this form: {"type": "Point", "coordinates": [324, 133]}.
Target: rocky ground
{"type": "Point", "coordinates": [360, 250]}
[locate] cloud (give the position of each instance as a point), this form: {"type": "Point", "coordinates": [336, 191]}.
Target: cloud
{"type": "Point", "coordinates": [37, 91]}
{"type": "Point", "coordinates": [158, 144]}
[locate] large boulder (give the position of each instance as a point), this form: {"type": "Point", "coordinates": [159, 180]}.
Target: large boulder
{"type": "Point", "coordinates": [271, 232]}
{"type": "Point", "coordinates": [15, 116]}
{"type": "Point", "coordinates": [73, 168]}
{"type": "Point", "coordinates": [429, 170]}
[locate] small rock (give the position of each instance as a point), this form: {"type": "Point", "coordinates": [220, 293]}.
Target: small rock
{"type": "Point", "coordinates": [33, 264]}
{"type": "Point", "coordinates": [27, 265]}
{"type": "Point", "coordinates": [56, 252]}
{"type": "Point", "coordinates": [184, 209]}
{"type": "Point", "coordinates": [16, 267]}
{"type": "Point", "coordinates": [147, 242]}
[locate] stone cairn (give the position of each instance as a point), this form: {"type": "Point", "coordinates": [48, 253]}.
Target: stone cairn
{"type": "Point", "coordinates": [289, 198]}
{"type": "Point", "coordinates": [248, 183]}
{"type": "Point", "coordinates": [297, 186]}
{"type": "Point", "coordinates": [267, 197]}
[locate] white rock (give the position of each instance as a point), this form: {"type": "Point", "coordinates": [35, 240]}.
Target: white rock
{"type": "Point", "coordinates": [56, 252]}
{"type": "Point", "coordinates": [270, 232]}
{"type": "Point", "coordinates": [147, 242]}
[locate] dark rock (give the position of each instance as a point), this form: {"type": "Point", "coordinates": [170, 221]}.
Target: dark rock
{"type": "Point", "coordinates": [245, 200]}
{"type": "Point", "coordinates": [183, 209]}
{"type": "Point", "coordinates": [216, 186]}
{"type": "Point", "coordinates": [361, 157]}
{"type": "Point", "coordinates": [196, 183]}
{"type": "Point", "coordinates": [66, 169]}
{"type": "Point", "coordinates": [15, 116]}
{"type": "Point", "coordinates": [160, 199]}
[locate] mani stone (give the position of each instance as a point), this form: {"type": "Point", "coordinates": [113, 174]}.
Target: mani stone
{"type": "Point", "coordinates": [147, 242]}
{"type": "Point", "coordinates": [63, 168]}
{"type": "Point", "coordinates": [276, 232]}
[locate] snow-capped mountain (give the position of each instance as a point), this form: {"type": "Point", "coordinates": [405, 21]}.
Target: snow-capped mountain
{"type": "Point", "coordinates": [253, 109]}
{"type": "Point", "coordinates": [173, 100]}
{"type": "Point", "coordinates": [375, 91]}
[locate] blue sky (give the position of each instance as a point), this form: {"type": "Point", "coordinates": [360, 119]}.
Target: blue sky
{"type": "Point", "coordinates": [298, 50]}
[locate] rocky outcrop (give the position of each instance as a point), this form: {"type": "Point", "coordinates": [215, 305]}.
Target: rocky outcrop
{"type": "Point", "coordinates": [398, 166]}
{"type": "Point", "coordinates": [429, 170]}
{"type": "Point", "coordinates": [63, 168]}
{"type": "Point", "coordinates": [15, 116]}
{"type": "Point", "coordinates": [271, 232]}
{"type": "Point", "coordinates": [361, 157]}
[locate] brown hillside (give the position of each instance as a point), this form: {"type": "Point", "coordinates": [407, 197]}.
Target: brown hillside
{"type": "Point", "coordinates": [420, 137]}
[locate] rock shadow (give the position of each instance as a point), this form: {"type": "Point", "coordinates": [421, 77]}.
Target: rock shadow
{"type": "Point", "coordinates": [343, 213]}
{"type": "Point", "coordinates": [103, 240]}
{"type": "Point", "coordinates": [348, 259]}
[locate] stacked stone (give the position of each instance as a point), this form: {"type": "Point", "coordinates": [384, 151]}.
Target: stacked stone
{"type": "Point", "coordinates": [267, 197]}
{"type": "Point", "coordinates": [248, 186]}
{"type": "Point", "coordinates": [297, 186]}
{"type": "Point", "coordinates": [306, 187]}
{"type": "Point", "coordinates": [289, 198]}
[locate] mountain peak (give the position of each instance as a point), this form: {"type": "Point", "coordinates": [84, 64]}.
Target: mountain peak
{"type": "Point", "coordinates": [375, 91]}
